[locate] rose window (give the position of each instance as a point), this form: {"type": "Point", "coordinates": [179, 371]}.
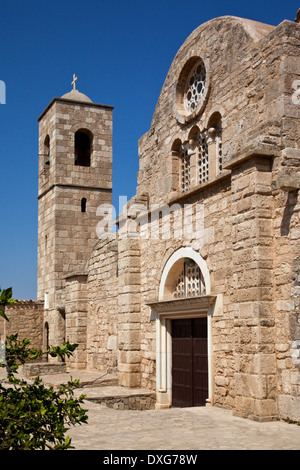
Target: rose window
{"type": "Point", "coordinates": [195, 86]}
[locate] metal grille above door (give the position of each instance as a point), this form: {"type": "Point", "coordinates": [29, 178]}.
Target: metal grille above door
{"type": "Point", "coordinates": [189, 362]}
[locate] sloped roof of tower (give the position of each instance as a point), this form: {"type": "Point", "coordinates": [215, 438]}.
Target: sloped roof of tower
{"type": "Point", "coordinates": [76, 95]}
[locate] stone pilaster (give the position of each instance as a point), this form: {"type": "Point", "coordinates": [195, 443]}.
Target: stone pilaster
{"type": "Point", "coordinates": [76, 318]}
{"type": "Point", "coordinates": [254, 322]}
{"type": "Point", "coordinates": [129, 339]}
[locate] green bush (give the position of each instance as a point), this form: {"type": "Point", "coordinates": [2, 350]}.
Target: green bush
{"type": "Point", "coordinates": [32, 415]}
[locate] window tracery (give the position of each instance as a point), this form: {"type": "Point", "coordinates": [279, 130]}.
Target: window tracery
{"type": "Point", "coordinates": [190, 282]}
{"type": "Point", "coordinates": [194, 87]}
{"type": "Point", "coordinates": [200, 156]}
{"type": "Point", "coordinates": [203, 161]}
{"type": "Point", "coordinates": [185, 170]}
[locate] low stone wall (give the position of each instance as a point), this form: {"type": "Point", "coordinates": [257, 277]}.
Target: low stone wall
{"type": "Point", "coordinates": [141, 402]}
{"type": "Point", "coordinates": [43, 368]}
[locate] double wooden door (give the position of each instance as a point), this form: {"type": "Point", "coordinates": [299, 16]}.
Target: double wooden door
{"type": "Point", "coordinates": [189, 362]}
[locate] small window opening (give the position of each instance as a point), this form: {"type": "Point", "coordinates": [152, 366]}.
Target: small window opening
{"type": "Point", "coordinates": [83, 204]}
{"type": "Point", "coordinates": [82, 148]}
{"type": "Point", "coordinates": [46, 299]}
{"type": "Point", "coordinates": [47, 150]}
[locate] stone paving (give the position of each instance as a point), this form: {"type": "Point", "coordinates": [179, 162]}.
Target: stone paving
{"type": "Point", "coordinates": [198, 428]}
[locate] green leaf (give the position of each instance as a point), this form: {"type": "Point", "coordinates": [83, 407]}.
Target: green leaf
{"type": "Point", "coordinates": [2, 314]}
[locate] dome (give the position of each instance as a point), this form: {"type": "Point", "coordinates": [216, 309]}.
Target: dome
{"type": "Point", "coordinates": [75, 95]}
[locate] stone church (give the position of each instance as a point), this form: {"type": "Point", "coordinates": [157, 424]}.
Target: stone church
{"type": "Point", "coordinates": [196, 295]}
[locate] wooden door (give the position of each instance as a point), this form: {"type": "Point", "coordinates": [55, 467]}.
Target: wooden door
{"type": "Point", "coordinates": [189, 362]}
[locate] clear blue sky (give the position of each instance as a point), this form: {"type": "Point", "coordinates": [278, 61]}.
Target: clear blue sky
{"type": "Point", "coordinates": [121, 52]}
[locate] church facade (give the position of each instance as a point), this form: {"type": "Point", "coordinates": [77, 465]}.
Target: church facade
{"type": "Point", "coordinates": [197, 294]}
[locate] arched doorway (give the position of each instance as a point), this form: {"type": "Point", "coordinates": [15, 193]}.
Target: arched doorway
{"type": "Point", "coordinates": [183, 324]}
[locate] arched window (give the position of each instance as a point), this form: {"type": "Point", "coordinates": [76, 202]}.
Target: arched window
{"type": "Point", "coordinates": [198, 142]}
{"type": "Point", "coordinates": [189, 282]}
{"type": "Point", "coordinates": [185, 275]}
{"type": "Point", "coordinates": [83, 147]}
{"type": "Point", "coordinates": [203, 160]}
{"type": "Point", "coordinates": [176, 164]}
{"type": "Point", "coordinates": [185, 169]}
{"type": "Point", "coordinates": [83, 204]}
{"type": "Point", "coordinates": [194, 167]}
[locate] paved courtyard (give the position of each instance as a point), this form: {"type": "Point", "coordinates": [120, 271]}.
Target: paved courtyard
{"type": "Point", "coordinates": [180, 429]}
{"type": "Point", "coordinates": [198, 428]}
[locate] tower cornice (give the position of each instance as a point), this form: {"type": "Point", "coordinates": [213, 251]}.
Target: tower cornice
{"type": "Point", "coordinates": [80, 103]}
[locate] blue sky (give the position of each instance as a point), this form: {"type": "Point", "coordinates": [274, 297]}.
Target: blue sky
{"type": "Point", "coordinates": [121, 52]}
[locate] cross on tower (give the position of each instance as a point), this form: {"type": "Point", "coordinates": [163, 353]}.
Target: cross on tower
{"type": "Point", "coordinates": [74, 81]}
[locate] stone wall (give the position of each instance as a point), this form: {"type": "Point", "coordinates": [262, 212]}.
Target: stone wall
{"type": "Point", "coordinates": [140, 402]}
{"type": "Point", "coordinates": [102, 313]}
{"type": "Point", "coordinates": [243, 221]}
{"type": "Point", "coordinates": [26, 320]}
{"type": "Point", "coordinates": [76, 318]}
{"type": "Point", "coordinates": [213, 241]}
{"type": "Point", "coordinates": [66, 230]}
{"type": "Point", "coordinates": [249, 236]}
{"type": "Point", "coordinates": [287, 290]}
{"type": "Point", "coordinates": [252, 296]}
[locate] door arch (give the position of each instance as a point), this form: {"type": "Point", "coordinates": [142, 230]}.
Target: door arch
{"type": "Point", "coordinates": [169, 308]}
{"type": "Point", "coordinates": [171, 266]}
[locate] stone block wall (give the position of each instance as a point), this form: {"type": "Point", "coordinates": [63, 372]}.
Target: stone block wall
{"type": "Point", "coordinates": [251, 86]}
{"type": "Point", "coordinates": [129, 306]}
{"type": "Point", "coordinates": [253, 296]}
{"type": "Point", "coordinates": [250, 233]}
{"type": "Point", "coordinates": [67, 227]}
{"type": "Point", "coordinates": [60, 120]}
{"type": "Point", "coordinates": [139, 402]}
{"type": "Point", "coordinates": [76, 318]}
{"type": "Point", "coordinates": [287, 290]}
{"type": "Point", "coordinates": [102, 307]}
{"type": "Point", "coordinates": [26, 320]}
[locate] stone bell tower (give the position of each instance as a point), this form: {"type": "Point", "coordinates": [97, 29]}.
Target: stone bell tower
{"type": "Point", "coordinates": [75, 177]}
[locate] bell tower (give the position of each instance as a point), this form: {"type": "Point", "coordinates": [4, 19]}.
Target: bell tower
{"type": "Point", "coordinates": [75, 177]}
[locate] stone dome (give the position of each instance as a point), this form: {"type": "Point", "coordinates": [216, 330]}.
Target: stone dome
{"type": "Point", "coordinates": [76, 96]}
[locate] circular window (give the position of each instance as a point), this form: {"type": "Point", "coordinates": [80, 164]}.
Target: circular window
{"type": "Point", "coordinates": [192, 89]}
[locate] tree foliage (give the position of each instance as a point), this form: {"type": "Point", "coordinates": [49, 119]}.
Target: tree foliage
{"type": "Point", "coordinates": [34, 416]}
{"type": "Point", "coordinates": [6, 299]}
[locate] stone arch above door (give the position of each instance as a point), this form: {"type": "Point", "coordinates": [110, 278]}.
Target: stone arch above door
{"type": "Point", "coordinates": [173, 268]}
